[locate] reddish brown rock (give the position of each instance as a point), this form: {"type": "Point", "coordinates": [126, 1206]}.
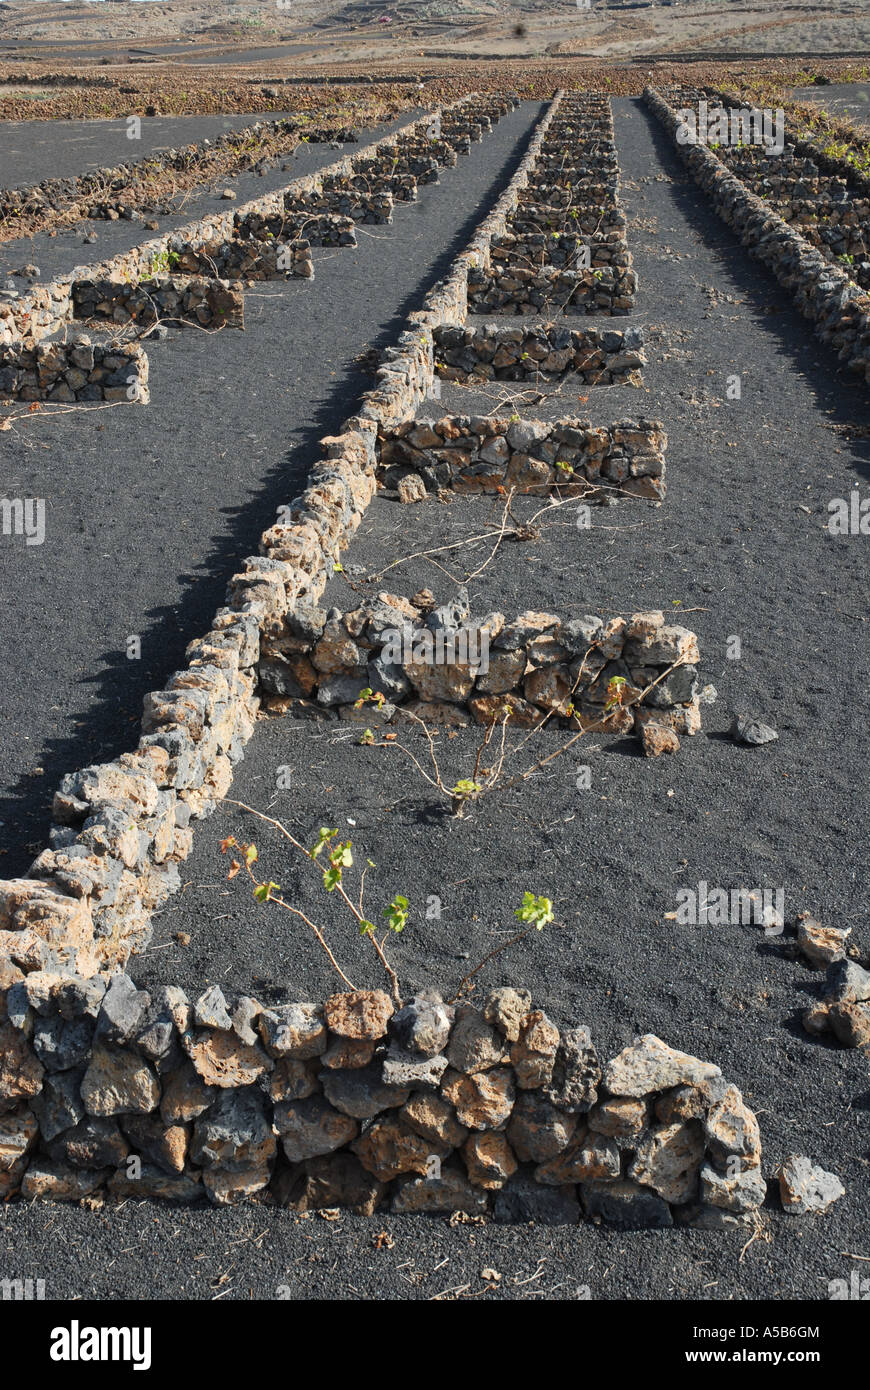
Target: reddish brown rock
{"type": "Point", "coordinates": [434, 1119]}
{"type": "Point", "coordinates": [550, 688]}
{"type": "Point", "coordinates": [505, 671]}
{"type": "Point", "coordinates": [489, 1159]}
{"type": "Point", "coordinates": [154, 1183]}
{"type": "Point", "coordinates": [533, 1055]}
{"type": "Point", "coordinates": [669, 1161]}
{"type": "Point", "coordinates": [224, 1187]}
{"type": "Point", "coordinates": [223, 1060]}
{"type": "Point", "coordinates": [448, 1193]}
{"type": "Point", "coordinates": [821, 945]}
{"type": "Point", "coordinates": [587, 1157]}
{"type": "Point", "coordinates": [359, 1014]}
{"type": "Point", "coordinates": [18, 1134]}
{"type": "Point", "coordinates": [657, 740]}
{"type": "Point", "coordinates": [163, 1145]}
{"type": "Point", "coordinates": [491, 708]}
{"type": "Point", "coordinates": [732, 1129]}
{"type": "Point", "coordinates": [21, 1071]}
{"type": "Point", "coordinates": [850, 1024]}
{"type": "Point", "coordinates": [450, 681]}
{"type": "Point", "coordinates": [57, 1183]}
{"type": "Point", "coordinates": [339, 1180]}
{"type": "Point", "coordinates": [506, 1008]}
{"type": "Point", "coordinates": [9, 975]}
{"type": "Point", "coordinates": [389, 1148]}
{"type": "Point", "coordinates": [621, 1118]}
{"type": "Point", "coordinates": [348, 1054]}
{"type": "Point", "coordinates": [689, 1102]}
{"type": "Point", "coordinates": [291, 1080]}
{"type": "Point", "coordinates": [185, 1096]}
{"type": "Point", "coordinates": [483, 1100]}
{"type": "Point", "coordinates": [411, 488]}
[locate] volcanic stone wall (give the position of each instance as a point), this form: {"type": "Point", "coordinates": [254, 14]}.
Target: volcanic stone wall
{"type": "Point", "coordinates": [357, 205]}
{"type": "Point", "coordinates": [423, 1107]}
{"type": "Point", "coordinates": [211, 303]}
{"type": "Point", "coordinates": [449, 669]}
{"type": "Point", "coordinates": [838, 307]}
{"type": "Point", "coordinates": [564, 247]}
{"type": "Point", "coordinates": [569, 458]}
{"type": "Point", "coordinates": [79, 371]}
{"type": "Point", "coordinates": [543, 352]}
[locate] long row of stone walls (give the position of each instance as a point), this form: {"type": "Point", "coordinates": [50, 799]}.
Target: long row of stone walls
{"type": "Point", "coordinates": [121, 828]}
{"type": "Point", "coordinates": [98, 194]}
{"type": "Point", "coordinates": [831, 159]}
{"type": "Point", "coordinates": [194, 273]}
{"type": "Point", "coordinates": [831, 214]}
{"type": "Point", "coordinates": [823, 292]}
{"type": "Point", "coordinates": [564, 248]}
{"type": "Point", "coordinates": [46, 309]}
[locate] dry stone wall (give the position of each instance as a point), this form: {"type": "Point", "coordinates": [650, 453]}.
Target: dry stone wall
{"type": "Point", "coordinates": [825, 294]}
{"type": "Point", "coordinates": [570, 457]}
{"type": "Point", "coordinates": [448, 668]}
{"type": "Point", "coordinates": [211, 303]}
{"type": "Point", "coordinates": [425, 1107]}
{"type": "Point", "coordinates": [314, 228]}
{"type": "Point", "coordinates": [564, 247]}
{"type": "Point", "coordinates": [544, 352]}
{"type": "Point", "coordinates": [80, 371]}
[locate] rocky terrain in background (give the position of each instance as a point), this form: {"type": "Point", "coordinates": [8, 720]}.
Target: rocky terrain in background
{"type": "Point", "coordinates": [377, 29]}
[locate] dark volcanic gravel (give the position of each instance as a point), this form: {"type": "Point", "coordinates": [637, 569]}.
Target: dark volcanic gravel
{"type": "Point", "coordinates": [35, 150]}
{"type": "Point", "coordinates": [848, 99]}
{"type": "Point", "coordinates": [739, 545]}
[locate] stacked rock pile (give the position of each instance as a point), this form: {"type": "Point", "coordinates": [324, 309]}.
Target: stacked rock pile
{"type": "Point", "coordinates": [427, 1107]}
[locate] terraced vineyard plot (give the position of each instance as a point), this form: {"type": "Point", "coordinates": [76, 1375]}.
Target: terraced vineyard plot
{"type": "Point", "coordinates": [825, 293]}
{"type": "Point", "coordinates": [564, 834]}
{"type": "Point", "coordinates": [194, 470]}
{"type": "Point", "coordinates": [830, 209]}
{"type": "Point", "coordinates": [563, 249]}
